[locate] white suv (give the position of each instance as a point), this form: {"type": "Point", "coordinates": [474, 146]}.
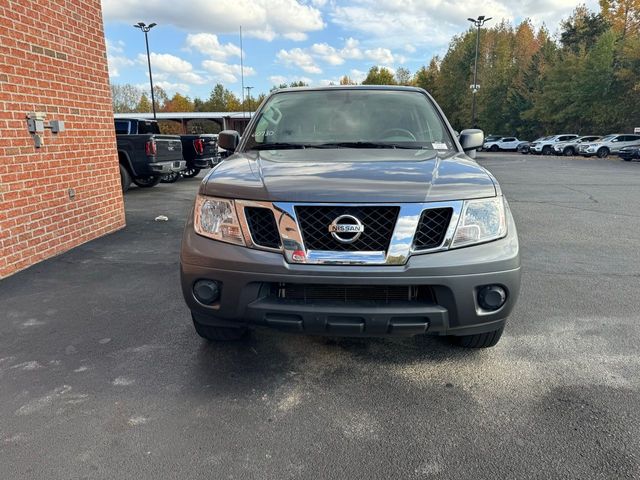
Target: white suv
{"type": "Point", "coordinates": [504, 143]}
{"type": "Point", "coordinates": [571, 147]}
{"type": "Point", "coordinates": [609, 144]}
{"type": "Point", "coordinates": [545, 147]}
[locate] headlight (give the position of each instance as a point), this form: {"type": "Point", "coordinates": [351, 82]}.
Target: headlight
{"type": "Point", "coordinates": [480, 221]}
{"type": "Point", "coordinates": [216, 218]}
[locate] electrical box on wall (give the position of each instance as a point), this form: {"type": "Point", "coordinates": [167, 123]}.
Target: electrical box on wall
{"type": "Point", "coordinates": [36, 125]}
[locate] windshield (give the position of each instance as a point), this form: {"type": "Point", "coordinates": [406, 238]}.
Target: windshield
{"type": "Point", "coordinates": [349, 118]}
{"type": "Point", "coordinates": [608, 138]}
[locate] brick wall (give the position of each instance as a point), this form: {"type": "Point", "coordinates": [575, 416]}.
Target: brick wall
{"type": "Point", "coordinates": [53, 60]}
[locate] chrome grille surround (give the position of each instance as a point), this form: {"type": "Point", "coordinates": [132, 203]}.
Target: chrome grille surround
{"type": "Point", "coordinates": [400, 246]}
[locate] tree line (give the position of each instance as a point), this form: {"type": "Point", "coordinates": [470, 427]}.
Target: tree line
{"type": "Point", "coordinates": [586, 80]}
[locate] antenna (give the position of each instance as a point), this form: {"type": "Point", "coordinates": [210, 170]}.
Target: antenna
{"type": "Point", "coordinates": [242, 73]}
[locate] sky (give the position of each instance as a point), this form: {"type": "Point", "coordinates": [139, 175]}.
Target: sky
{"type": "Point", "coordinates": [196, 43]}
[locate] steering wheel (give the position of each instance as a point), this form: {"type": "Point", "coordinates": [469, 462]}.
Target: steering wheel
{"type": "Point", "coordinates": [402, 131]}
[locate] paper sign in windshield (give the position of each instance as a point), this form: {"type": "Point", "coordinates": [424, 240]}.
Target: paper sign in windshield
{"type": "Point", "coordinates": [439, 146]}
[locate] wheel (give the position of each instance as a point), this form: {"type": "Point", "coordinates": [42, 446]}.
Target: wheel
{"type": "Point", "coordinates": [546, 150]}
{"type": "Point", "coordinates": [125, 178]}
{"type": "Point", "coordinates": [494, 148]}
{"type": "Point", "coordinates": [172, 177]}
{"type": "Point", "coordinates": [218, 334]}
{"type": "Point", "coordinates": [147, 182]}
{"type": "Point", "coordinates": [191, 172]}
{"type": "Point", "coordinates": [569, 152]}
{"type": "Point", "coordinates": [603, 152]}
{"type": "Point", "coordinates": [480, 340]}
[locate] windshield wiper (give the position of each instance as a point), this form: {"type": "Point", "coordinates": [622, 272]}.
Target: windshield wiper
{"type": "Point", "coordinates": [365, 145]}
{"type": "Point", "coordinates": [278, 146]}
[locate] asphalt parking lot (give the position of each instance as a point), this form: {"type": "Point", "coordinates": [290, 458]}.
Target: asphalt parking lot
{"type": "Point", "coordinates": [102, 375]}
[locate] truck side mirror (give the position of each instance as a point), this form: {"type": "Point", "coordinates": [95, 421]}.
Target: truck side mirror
{"type": "Point", "coordinates": [228, 140]}
{"type": "Point", "coordinates": [471, 139]}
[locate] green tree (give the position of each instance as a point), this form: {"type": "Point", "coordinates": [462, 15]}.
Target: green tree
{"type": "Point", "coordinates": [179, 103]}
{"type": "Point", "coordinates": [403, 76]}
{"type": "Point", "coordinates": [125, 98]}
{"type": "Point", "coordinates": [427, 77]}
{"type": "Point", "coordinates": [144, 105]}
{"type": "Point", "coordinates": [222, 100]}
{"type": "Point", "coordinates": [379, 76]}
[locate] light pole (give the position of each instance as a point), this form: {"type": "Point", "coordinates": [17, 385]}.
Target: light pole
{"type": "Point", "coordinates": [248, 89]}
{"type": "Point", "coordinates": [145, 29]}
{"type": "Point", "coordinates": [479, 22]}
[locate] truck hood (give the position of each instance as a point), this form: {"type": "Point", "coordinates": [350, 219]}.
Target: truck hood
{"type": "Point", "coordinates": [348, 176]}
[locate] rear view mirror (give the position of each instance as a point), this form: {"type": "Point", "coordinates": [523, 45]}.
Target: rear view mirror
{"type": "Point", "coordinates": [471, 139]}
{"type": "Point", "coordinates": [228, 140]}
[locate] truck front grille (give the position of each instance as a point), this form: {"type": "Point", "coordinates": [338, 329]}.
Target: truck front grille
{"type": "Point", "coordinates": [262, 226]}
{"type": "Point", "coordinates": [432, 228]}
{"type": "Point", "coordinates": [385, 294]}
{"type": "Point", "coordinates": [378, 221]}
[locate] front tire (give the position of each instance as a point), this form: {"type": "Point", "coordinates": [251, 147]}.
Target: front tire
{"type": "Point", "coordinates": [569, 152]}
{"type": "Point", "coordinates": [219, 334]}
{"type": "Point", "coordinates": [147, 182]}
{"type": "Point", "coordinates": [191, 172]}
{"type": "Point", "coordinates": [494, 148]}
{"type": "Point", "coordinates": [603, 152]}
{"type": "Point", "coordinates": [547, 150]}
{"type": "Point", "coordinates": [479, 340]}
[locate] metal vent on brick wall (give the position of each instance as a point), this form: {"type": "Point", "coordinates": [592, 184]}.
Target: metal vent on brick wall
{"type": "Point", "coordinates": [432, 228]}
{"type": "Point", "coordinates": [378, 221]}
{"type": "Point", "coordinates": [263, 228]}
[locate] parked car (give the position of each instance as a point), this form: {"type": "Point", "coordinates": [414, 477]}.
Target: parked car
{"type": "Point", "coordinates": [504, 143]}
{"type": "Point", "coordinates": [525, 147]}
{"type": "Point", "coordinates": [200, 152]}
{"type": "Point", "coordinates": [570, 147]}
{"type": "Point", "coordinates": [488, 138]}
{"type": "Point", "coordinates": [303, 229]}
{"type": "Point", "coordinates": [144, 154]}
{"type": "Point", "coordinates": [545, 146]}
{"type": "Point", "coordinates": [630, 153]}
{"type": "Point", "coordinates": [609, 144]}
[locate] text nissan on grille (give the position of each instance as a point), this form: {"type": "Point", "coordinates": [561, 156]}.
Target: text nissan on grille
{"type": "Point", "coordinates": [351, 211]}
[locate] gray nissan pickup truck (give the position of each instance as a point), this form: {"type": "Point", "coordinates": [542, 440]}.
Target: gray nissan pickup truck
{"type": "Point", "coordinates": [351, 211]}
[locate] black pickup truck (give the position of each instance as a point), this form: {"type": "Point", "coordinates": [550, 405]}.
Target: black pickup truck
{"type": "Point", "coordinates": [199, 151]}
{"type": "Point", "coordinates": [145, 155]}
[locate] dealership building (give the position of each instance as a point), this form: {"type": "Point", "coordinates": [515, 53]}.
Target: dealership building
{"type": "Point", "coordinates": [59, 177]}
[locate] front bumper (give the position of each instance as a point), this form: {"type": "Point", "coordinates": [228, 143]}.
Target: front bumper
{"type": "Point", "coordinates": [454, 276]}
{"type": "Point", "coordinates": [161, 168]}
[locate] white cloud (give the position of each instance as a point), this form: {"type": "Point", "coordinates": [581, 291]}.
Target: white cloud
{"type": "Point", "coordinates": [226, 73]}
{"type": "Point", "coordinates": [307, 58]}
{"type": "Point", "coordinates": [379, 55]}
{"type": "Point", "coordinates": [298, 58]}
{"type": "Point", "coordinates": [208, 44]}
{"type": "Point", "coordinates": [169, 87]}
{"type": "Point", "coordinates": [327, 53]}
{"type": "Point", "coordinates": [277, 79]}
{"type": "Point", "coordinates": [170, 67]}
{"type": "Point", "coordinates": [431, 23]}
{"type": "Point", "coordinates": [357, 75]}
{"type": "Point", "coordinates": [115, 59]}
{"type": "Point", "coordinates": [296, 36]}
{"type": "Point", "coordinates": [265, 19]}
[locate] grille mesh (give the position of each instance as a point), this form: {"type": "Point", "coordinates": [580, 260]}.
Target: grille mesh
{"type": "Point", "coordinates": [262, 225]}
{"type": "Point", "coordinates": [378, 222]}
{"type": "Point", "coordinates": [432, 228]}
